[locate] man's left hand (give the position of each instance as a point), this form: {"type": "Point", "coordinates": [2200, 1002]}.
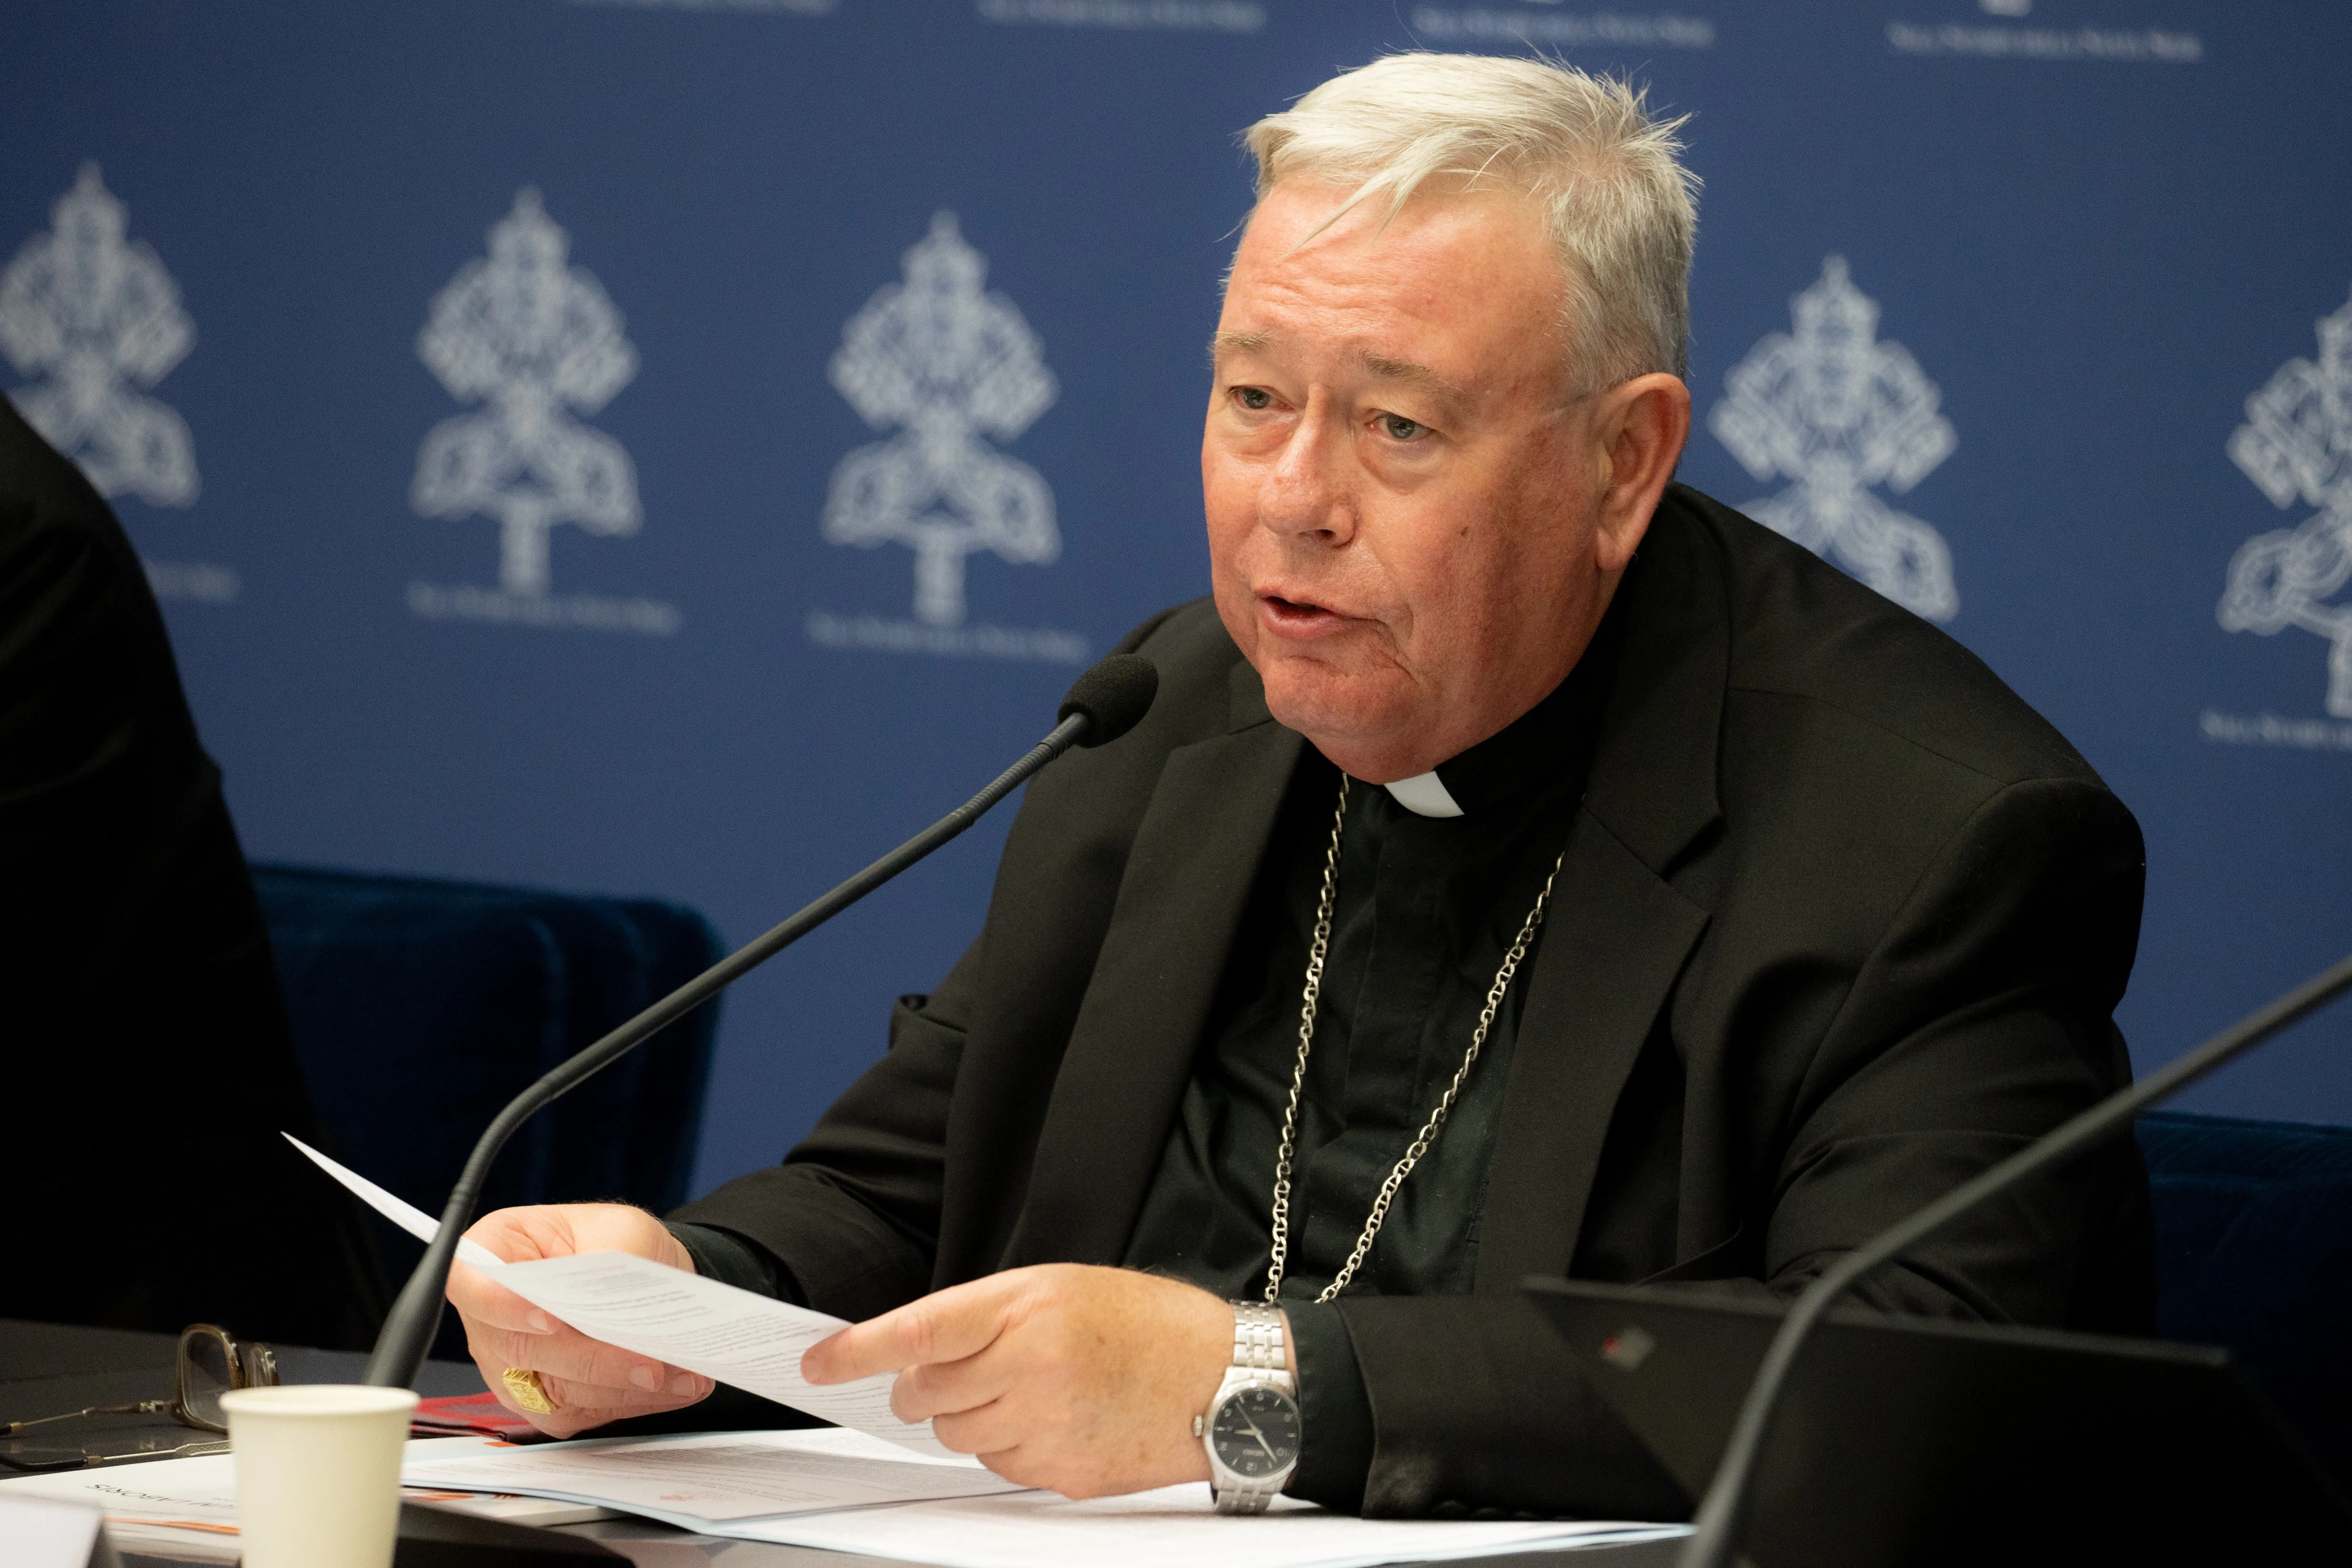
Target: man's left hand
{"type": "Point", "coordinates": [1085, 1380]}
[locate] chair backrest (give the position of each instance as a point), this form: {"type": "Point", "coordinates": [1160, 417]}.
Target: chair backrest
{"type": "Point", "coordinates": [419, 1007]}
{"type": "Point", "coordinates": [2253, 1247]}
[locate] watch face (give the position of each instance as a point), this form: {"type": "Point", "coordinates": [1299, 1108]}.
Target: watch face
{"type": "Point", "coordinates": [1255, 1431]}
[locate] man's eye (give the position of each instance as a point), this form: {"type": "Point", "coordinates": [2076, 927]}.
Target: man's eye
{"type": "Point", "coordinates": [1254, 398]}
{"type": "Point", "coordinates": [1397, 427]}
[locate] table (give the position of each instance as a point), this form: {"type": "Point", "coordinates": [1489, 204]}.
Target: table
{"type": "Point", "coordinates": [46, 1368]}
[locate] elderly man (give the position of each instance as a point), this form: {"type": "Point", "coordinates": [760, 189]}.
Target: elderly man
{"type": "Point", "coordinates": [1530, 867]}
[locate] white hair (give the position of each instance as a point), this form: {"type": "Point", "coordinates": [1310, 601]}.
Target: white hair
{"type": "Point", "coordinates": [1616, 203]}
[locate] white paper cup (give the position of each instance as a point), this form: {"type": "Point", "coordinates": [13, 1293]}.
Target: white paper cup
{"type": "Point", "coordinates": [318, 1473]}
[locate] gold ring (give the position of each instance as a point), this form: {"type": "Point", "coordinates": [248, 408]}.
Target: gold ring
{"type": "Point", "coordinates": [527, 1391]}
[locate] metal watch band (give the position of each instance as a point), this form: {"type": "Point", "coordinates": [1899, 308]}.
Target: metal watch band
{"type": "Point", "coordinates": [1257, 1337]}
{"type": "Point", "coordinates": [1242, 1499]}
{"type": "Point", "coordinates": [1258, 1358]}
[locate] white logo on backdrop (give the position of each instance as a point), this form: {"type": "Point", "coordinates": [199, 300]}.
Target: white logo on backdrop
{"type": "Point", "coordinates": [2296, 445]}
{"type": "Point", "coordinates": [97, 314]}
{"type": "Point", "coordinates": [1131, 15]}
{"type": "Point", "coordinates": [2085, 45]}
{"type": "Point", "coordinates": [535, 340]}
{"type": "Point", "coordinates": [1839, 410]}
{"type": "Point", "coordinates": [947, 364]}
{"type": "Point", "coordinates": [1554, 29]}
{"type": "Point", "coordinates": [790, 7]}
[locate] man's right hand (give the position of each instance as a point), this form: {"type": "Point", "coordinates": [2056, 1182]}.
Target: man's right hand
{"type": "Point", "coordinates": [589, 1381]}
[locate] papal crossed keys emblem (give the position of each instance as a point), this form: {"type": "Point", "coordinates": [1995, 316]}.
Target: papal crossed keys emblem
{"type": "Point", "coordinates": [96, 311]}
{"type": "Point", "coordinates": [534, 340]}
{"type": "Point", "coordinates": [947, 364]}
{"type": "Point", "coordinates": [1836, 409]}
{"type": "Point", "coordinates": [2297, 442]}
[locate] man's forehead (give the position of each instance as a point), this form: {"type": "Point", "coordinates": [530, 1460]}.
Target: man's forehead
{"type": "Point", "coordinates": [1302, 211]}
{"type": "Point", "coordinates": [1383, 367]}
{"type": "Point", "coordinates": [1439, 296]}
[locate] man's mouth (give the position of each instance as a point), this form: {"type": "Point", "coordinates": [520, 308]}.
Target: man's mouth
{"type": "Point", "coordinates": [1288, 616]}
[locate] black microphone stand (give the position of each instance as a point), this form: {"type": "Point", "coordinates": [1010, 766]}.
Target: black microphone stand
{"type": "Point", "coordinates": [1723, 1510]}
{"type": "Point", "coordinates": [1104, 703]}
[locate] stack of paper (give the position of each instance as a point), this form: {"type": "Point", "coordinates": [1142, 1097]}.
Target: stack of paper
{"type": "Point", "coordinates": [836, 1489]}
{"type": "Point", "coordinates": [708, 1479]}
{"type": "Point", "coordinates": [1174, 1527]}
{"type": "Point", "coordinates": [823, 1489]}
{"type": "Point", "coordinates": [188, 1507]}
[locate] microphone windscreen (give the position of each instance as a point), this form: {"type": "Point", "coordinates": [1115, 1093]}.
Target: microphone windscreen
{"type": "Point", "coordinates": [1114, 696]}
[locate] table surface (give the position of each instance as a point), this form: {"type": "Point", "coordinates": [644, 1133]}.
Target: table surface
{"type": "Point", "coordinates": [48, 1368]}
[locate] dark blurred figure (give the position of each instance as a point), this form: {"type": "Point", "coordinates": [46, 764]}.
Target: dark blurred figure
{"type": "Point", "coordinates": [144, 1051]}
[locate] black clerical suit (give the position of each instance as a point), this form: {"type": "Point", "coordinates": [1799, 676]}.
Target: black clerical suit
{"type": "Point", "coordinates": [1838, 922]}
{"type": "Point", "coordinates": [148, 1064]}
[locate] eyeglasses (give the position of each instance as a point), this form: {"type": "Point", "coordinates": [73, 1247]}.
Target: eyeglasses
{"type": "Point", "coordinates": [212, 1362]}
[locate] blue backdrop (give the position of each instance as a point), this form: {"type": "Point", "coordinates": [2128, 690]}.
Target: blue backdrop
{"type": "Point", "coordinates": [681, 448]}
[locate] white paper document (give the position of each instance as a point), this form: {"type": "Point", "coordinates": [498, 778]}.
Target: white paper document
{"type": "Point", "coordinates": [1175, 1527]}
{"type": "Point", "coordinates": [729, 1335]}
{"type": "Point", "coordinates": [393, 1207]}
{"type": "Point", "coordinates": [707, 1480]}
{"type": "Point", "coordinates": [850, 1492]}
{"type": "Point", "coordinates": [188, 1507]}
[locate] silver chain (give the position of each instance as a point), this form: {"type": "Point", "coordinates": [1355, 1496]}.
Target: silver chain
{"type": "Point", "coordinates": [1316, 953]}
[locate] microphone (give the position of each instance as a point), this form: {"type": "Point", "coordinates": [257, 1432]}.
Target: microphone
{"type": "Point", "coordinates": [1724, 1509]}
{"type": "Point", "coordinates": [1104, 703]}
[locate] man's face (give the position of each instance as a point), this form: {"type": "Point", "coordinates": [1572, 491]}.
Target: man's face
{"type": "Point", "coordinates": [1404, 504]}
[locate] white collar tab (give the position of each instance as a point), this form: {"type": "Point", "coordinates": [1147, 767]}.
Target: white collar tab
{"type": "Point", "coordinates": [1425, 795]}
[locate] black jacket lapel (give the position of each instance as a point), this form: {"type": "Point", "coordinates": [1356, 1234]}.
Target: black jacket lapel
{"type": "Point", "coordinates": [1619, 933]}
{"type": "Point", "coordinates": [1611, 947]}
{"type": "Point", "coordinates": [1187, 883]}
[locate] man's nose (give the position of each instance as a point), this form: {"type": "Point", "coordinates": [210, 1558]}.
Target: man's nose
{"type": "Point", "coordinates": [1308, 494]}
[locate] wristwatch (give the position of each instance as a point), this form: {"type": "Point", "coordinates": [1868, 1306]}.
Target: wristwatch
{"type": "Point", "coordinates": [1252, 1429]}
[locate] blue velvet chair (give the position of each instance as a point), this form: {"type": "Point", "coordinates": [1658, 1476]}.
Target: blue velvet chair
{"type": "Point", "coordinates": [2253, 1241]}
{"type": "Point", "coordinates": [420, 1006]}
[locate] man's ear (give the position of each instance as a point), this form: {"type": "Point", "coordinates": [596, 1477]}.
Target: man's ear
{"type": "Point", "coordinates": [1641, 426]}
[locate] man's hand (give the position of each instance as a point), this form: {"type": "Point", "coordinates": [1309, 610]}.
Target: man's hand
{"type": "Point", "coordinates": [1081, 1379]}
{"type": "Point", "coordinates": [588, 1382]}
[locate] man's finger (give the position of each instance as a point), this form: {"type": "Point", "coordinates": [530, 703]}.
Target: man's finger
{"type": "Point", "coordinates": [568, 1353]}
{"type": "Point", "coordinates": [584, 1409]}
{"type": "Point", "coordinates": [481, 1299]}
{"type": "Point", "coordinates": [570, 1397]}
{"type": "Point", "coordinates": [570, 1401]}
{"type": "Point", "coordinates": [986, 1429]}
{"type": "Point", "coordinates": [1018, 1464]}
{"type": "Point", "coordinates": [948, 1326]}
{"type": "Point", "coordinates": [943, 1388]}
{"type": "Point", "coordinates": [578, 1406]}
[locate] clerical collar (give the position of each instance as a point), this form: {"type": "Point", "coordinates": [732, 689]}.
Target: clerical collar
{"type": "Point", "coordinates": [1425, 795]}
{"type": "Point", "coordinates": [1552, 740]}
